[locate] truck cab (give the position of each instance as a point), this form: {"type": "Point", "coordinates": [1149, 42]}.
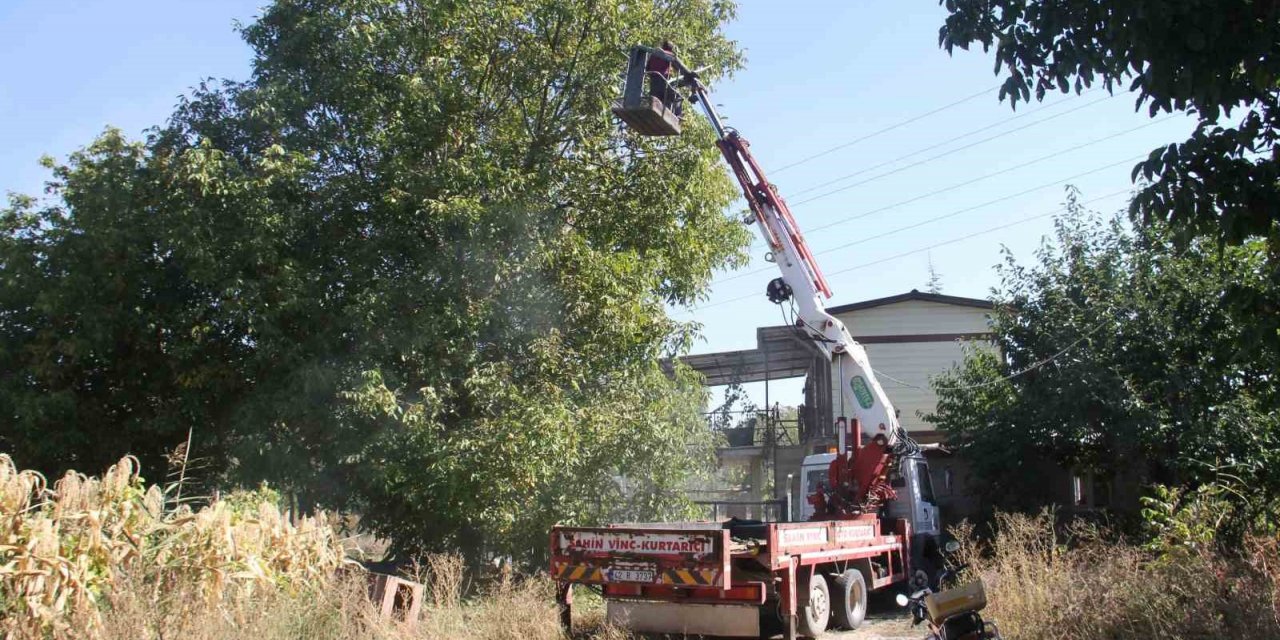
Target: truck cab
{"type": "Point", "coordinates": [916, 502]}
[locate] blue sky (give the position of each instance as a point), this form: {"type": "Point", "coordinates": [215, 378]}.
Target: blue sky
{"type": "Point", "coordinates": [819, 75]}
{"type": "Point", "coordinates": [69, 68]}
{"type": "Point", "coordinates": [823, 74]}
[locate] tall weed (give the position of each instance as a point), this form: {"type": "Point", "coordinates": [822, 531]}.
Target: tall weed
{"type": "Point", "coordinates": [111, 558]}
{"type": "Point", "coordinates": [1047, 582]}
{"type": "Point", "coordinates": [68, 552]}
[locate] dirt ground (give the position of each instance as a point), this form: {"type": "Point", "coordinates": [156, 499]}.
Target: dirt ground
{"type": "Point", "coordinates": [884, 625]}
{"type": "Point", "coordinates": [884, 621]}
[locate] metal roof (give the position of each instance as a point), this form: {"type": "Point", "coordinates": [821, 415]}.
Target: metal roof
{"type": "Point", "coordinates": [910, 296]}
{"type": "Point", "coordinates": [781, 352]}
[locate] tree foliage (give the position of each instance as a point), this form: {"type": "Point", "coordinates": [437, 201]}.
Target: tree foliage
{"type": "Point", "coordinates": [410, 266]}
{"type": "Point", "coordinates": [1116, 352]}
{"type": "Point", "coordinates": [1218, 61]}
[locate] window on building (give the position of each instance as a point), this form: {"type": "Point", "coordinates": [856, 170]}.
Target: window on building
{"type": "Point", "coordinates": [1090, 490]}
{"type": "Point", "coordinates": [942, 481]}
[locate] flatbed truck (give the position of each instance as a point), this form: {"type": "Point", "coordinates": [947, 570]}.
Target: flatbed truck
{"type": "Point", "coordinates": [871, 522]}
{"type": "Point", "coordinates": [739, 578]}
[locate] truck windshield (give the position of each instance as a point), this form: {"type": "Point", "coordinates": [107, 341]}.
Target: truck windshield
{"type": "Point", "coordinates": [814, 478]}
{"type": "Point", "coordinates": [926, 483]}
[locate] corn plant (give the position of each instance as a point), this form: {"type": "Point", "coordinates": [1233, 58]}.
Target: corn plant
{"type": "Point", "coordinates": [66, 550]}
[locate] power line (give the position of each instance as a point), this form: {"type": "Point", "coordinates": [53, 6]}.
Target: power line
{"type": "Point", "coordinates": [934, 157]}
{"type": "Point", "coordinates": [1032, 367]}
{"type": "Point", "coordinates": [962, 136]}
{"type": "Point", "coordinates": [928, 248]}
{"type": "Point", "coordinates": [756, 242]}
{"type": "Point", "coordinates": [1049, 156]}
{"type": "Point", "coordinates": [887, 129]}
{"type": "Point", "coordinates": [1021, 165]}
{"type": "Point", "coordinates": [975, 234]}
{"type": "Point", "coordinates": [1114, 193]}
{"type": "Point", "coordinates": [985, 204]}
{"type": "Point", "coordinates": [957, 212]}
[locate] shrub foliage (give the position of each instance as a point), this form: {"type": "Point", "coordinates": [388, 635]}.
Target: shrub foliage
{"type": "Point", "coordinates": [1116, 351]}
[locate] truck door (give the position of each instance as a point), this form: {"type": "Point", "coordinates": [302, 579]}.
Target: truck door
{"type": "Point", "coordinates": [916, 501]}
{"type": "Point", "coordinates": [926, 519]}
{"type": "Point", "coordinates": [813, 473]}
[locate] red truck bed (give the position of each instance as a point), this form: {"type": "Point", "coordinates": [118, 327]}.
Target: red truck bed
{"type": "Point", "coordinates": [666, 576]}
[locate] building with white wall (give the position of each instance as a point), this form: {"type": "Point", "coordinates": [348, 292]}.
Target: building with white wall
{"type": "Point", "coordinates": [912, 337]}
{"type": "Point", "coordinates": [909, 338]}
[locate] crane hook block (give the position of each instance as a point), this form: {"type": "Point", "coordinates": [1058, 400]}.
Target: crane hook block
{"type": "Point", "coordinates": [778, 291]}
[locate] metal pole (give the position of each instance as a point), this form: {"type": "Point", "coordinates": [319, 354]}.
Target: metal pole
{"type": "Point", "coordinates": [707, 108]}
{"type": "Point", "coordinates": [767, 373]}
{"type": "Point", "coordinates": [789, 517]}
{"type": "Point", "coordinates": [770, 440]}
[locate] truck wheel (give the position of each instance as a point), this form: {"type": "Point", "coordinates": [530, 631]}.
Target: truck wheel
{"type": "Point", "coordinates": [849, 599]}
{"type": "Point", "coordinates": [816, 611]}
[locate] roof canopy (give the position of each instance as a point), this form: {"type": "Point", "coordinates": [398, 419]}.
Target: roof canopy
{"type": "Point", "coordinates": [781, 352]}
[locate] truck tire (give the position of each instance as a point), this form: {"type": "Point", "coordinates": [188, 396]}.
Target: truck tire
{"type": "Point", "coordinates": [815, 610]}
{"type": "Point", "coordinates": [849, 599]}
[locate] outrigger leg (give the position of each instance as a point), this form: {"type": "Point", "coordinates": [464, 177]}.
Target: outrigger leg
{"type": "Point", "coordinates": [564, 598]}
{"type": "Point", "coordinates": [789, 602]}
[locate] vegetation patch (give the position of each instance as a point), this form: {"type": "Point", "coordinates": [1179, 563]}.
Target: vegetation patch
{"type": "Point", "coordinates": [1049, 582]}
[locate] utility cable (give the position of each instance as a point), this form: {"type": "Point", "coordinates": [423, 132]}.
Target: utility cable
{"type": "Point", "coordinates": [887, 129]}
{"type": "Point", "coordinates": [928, 248]}
{"type": "Point", "coordinates": [985, 204]}
{"type": "Point", "coordinates": [930, 158]}
{"type": "Point", "coordinates": [1048, 156]}
{"type": "Point", "coordinates": [967, 134]}
{"type": "Point", "coordinates": [957, 212]}
{"type": "Point", "coordinates": [756, 241]}
{"type": "Point", "coordinates": [975, 234]}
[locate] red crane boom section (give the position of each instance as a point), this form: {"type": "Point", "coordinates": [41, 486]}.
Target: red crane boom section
{"type": "Point", "coordinates": [761, 197]}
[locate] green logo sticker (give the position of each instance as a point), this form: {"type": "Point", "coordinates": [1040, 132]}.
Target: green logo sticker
{"type": "Point", "coordinates": [862, 392]}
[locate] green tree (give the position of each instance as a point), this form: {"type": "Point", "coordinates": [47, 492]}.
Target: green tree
{"type": "Point", "coordinates": [1218, 61]}
{"type": "Point", "coordinates": [1116, 352]}
{"type": "Point", "coordinates": [411, 266]}
{"type": "Point", "coordinates": [107, 345]}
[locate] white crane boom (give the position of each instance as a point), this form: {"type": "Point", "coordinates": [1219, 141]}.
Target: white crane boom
{"type": "Point", "coordinates": [869, 437]}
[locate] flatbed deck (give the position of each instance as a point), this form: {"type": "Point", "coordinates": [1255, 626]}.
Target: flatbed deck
{"type": "Point", "coordinates": [683, 577]}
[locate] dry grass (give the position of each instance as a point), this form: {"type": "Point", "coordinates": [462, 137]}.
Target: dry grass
{"type": "Point", "coordinates": [339, 609]}
{"type": "Point", "coordinates": [111, 558]}
{"type": "Point", "coordinates": [67, 553]}
{"type": "Point", "coordinates": [1046, 583]}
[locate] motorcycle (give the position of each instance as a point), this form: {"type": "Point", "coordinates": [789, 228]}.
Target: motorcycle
{"type": "Point", "coordinates": [952, 612]}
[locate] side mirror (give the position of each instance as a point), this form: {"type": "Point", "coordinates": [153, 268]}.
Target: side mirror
{"type": "Point", "coordinates": [951, 546]}
{"type": "Point", "coordinates": [902, 600]}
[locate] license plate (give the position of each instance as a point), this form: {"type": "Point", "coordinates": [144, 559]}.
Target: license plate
{"type": "Point", "coordinates": [630, 575]}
